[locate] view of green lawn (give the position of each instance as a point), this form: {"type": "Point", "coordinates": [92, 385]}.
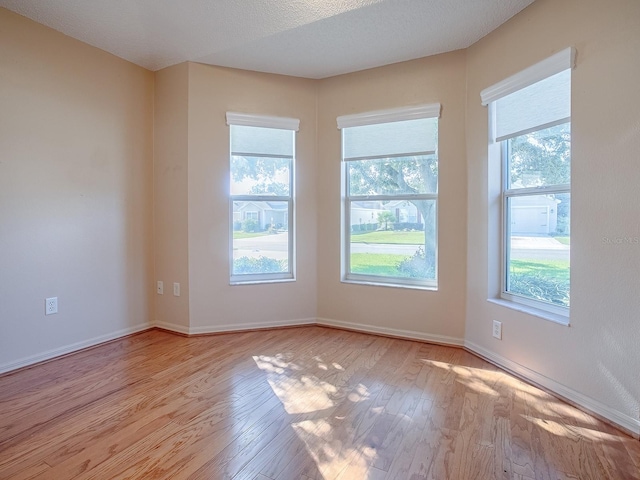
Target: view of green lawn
{"type": "Point", "coordinates": [546, 280]}
{"type": "Point", "coordinates": [558, 269]}
{"type": "Point", "coordinates": [239, 234]}
{"type": "Point", "coordinates": [387, 264]}
{"type": "Point", "coordinates": [413, 237]}
{"type": "Point", "coordinates": [376, 263]}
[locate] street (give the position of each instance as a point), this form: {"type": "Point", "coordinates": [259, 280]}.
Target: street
{"type": "Point", "coordinates": [522, 248]}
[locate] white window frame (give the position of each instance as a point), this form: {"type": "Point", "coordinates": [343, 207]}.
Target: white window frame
{"type": "Point", "coordinates": [265, 121]}
{"type": "Point", "coordinates": [371, 118]}
{"type": "Point", "coordinates": [553, 65]}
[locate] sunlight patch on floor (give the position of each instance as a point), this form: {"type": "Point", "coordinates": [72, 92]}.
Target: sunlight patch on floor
{"type": "Point", "coordinates": [298, 394]}
{"type": "Point", "coordinates": [476, 379]}
{"type": "Point", "coordinates": [336, 447]}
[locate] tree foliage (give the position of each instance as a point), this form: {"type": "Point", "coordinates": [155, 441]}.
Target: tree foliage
{"type": "Point", "coordinates": [542, 157]}
{"type": "Point", "coordinates": [260, 175]}
{"type": "Point", "coordinates": [411, 175]}
{"type": "Point", "coordinates": [394, 176]}
{"type": "Point", "coordinates": [385, 218]}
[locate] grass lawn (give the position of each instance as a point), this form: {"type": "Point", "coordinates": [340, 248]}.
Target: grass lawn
{"type": "Point", "coordinates": [564, 240]}
{"type": "Point", "coordinates": [541, 280]}
{"type": "Point", "coordinates": [376, 263]}
{"type": "Point", "coordinates": [238, 235]}
{"type": "Point", "coordinates": [550, 268]}
{"type": "Point", "coordinates": [387, 264]}
{"type": "Point", "coordinates": [389, 237]}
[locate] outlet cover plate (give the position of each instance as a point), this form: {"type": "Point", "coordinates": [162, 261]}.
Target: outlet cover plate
{"type": "Point", "coordinates": [51, 306]}
{"type": "Point", "coordinates": [497, 329]}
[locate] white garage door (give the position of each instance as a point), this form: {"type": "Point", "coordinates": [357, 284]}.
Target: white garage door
{"type": "Point", "coordinates": [530, 220]}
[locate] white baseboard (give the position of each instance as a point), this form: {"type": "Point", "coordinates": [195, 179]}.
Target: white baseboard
{"type": "Point", "coordinates": [623, 420]}
{"type": "Point", "coordinates": [74, 347]}
{"type": "Point", "coordinates": [172, 327]}
{"type": "Point", "coordinates": [234, 327]}
{"type": "Point", "coordinates": [393, 332]}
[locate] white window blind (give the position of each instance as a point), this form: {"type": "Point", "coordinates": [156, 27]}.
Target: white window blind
{"type": "Point", "coordinates": [535, 98]}
{"type": "Point", "coordinates": [541, 105]}
{"type": "Point", "coordinates": [395, 132]}
{"type": "Point", "coordinates": [249, 134]}
{"type": "Point", "coordinates": [254, 141]}
{"type": "Point", "coordinates": [409, 137]}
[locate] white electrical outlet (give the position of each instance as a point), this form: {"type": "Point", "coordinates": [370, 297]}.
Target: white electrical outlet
{"type": "Point", "coordinates": [160, 288]}
{"type": "Point", "coordinates": [176, 289]}
{"type": "Point", "coordinates": [497, 329]}
{"type": "Point", "coordinates": [51, 306]}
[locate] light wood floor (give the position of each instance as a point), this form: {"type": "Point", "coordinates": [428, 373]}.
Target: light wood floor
{"type": "Point", "coordinates": [302, 403]}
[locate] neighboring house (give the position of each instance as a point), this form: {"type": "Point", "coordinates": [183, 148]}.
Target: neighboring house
{"type": "Point", "coordinates": [404, 211]}
{"type": "Point", "coordinates": [530, 215]}
{"type": "Point", "coordinates": [265, 213]}
{"type": "Point", "coordinates": [534, 215]}
{"type": "Point", "coordinates": [367, 212]}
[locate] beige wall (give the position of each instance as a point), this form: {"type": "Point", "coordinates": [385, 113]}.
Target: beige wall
{"type": "Point", "coordinates": [170, 186]}
{"type": "Point", "coordinates": [598, 355]}
{"type": "Point", "coordinates": [76, 158]}
{"type": "Point", "coordinates": [213, 303]}
{"type": "Point", "coordinates": [437, 315]}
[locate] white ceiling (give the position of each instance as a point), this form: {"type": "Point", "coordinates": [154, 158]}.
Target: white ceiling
{"type": "Point", "coordinates": [304, 38]}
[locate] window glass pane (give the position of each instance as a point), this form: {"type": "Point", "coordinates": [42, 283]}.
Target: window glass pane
{"type": "Point", "coordinates": [393, 239]}
{"type": "Point", "coordinates": [260, 237]}
{"type": "Point", "coordinates": [395, 138]}
{"type": "Point", "coordinates": [538, 247]}
{"type": "Point", "coordinates": [540, 158]}
{"type": "Point", "coordinates": [261, 141]}
{"type": "Point", "coordinates": [260, 175]}
{"type": "Point", "coordinates": [537, 105]}
{"type": "Point", "coordinates": [393, 176]}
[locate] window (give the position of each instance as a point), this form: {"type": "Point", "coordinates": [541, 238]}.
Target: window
{"type": "Point", "coordinates": [390, 196]}
{"type": "Point", "coordinates": [530, 118]}
{"type": "Point", "coordinates": [261, 198]}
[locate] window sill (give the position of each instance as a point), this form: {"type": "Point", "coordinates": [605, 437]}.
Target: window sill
{"type": "Point", "coordinates": [536, 312]}
{"type": "Point", "coordinates": [390, 285]}
{"type": "Point", "coordinates": [234, 283]}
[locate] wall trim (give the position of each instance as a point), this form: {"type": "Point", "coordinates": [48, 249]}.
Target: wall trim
{"type": "Point", "coordinates": [72, 348]}
{"type": "Point", "coordinates": [234, 327]}
{"type": "Point", "coordinates": [266, 121]}
{"type": "Point", "coordinates": [621, 420]}
{"type": "Point", "coordinates": [430, 110]}
{"type": "Point", "coordinates": [392, 332]}
{"type": "Point", "coordinates": [552, 65]}
{"type": "Point", "coordinates": [172, 327]}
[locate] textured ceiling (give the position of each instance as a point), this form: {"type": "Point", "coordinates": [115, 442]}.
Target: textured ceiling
{"type": "Point", "coordinates": [304, 38]}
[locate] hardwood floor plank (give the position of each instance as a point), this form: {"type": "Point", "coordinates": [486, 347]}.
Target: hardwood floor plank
{"type": "Point", "coordinates": [309, 403]}
{"type": "Point", "coordinates": [399, 468]}
{"type": "Point", "coordinates": [28, 473]}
